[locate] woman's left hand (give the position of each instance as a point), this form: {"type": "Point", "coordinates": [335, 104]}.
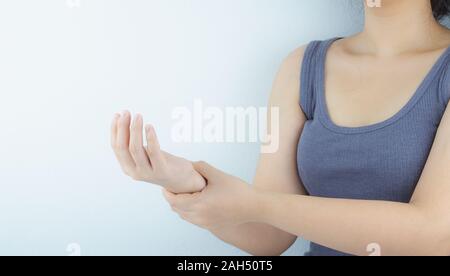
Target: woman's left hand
{"type": "Point", "coordinates": [226, 200]}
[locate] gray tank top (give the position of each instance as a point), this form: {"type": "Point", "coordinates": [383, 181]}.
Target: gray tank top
{"type": "Point", "coordinates": [382, 161]}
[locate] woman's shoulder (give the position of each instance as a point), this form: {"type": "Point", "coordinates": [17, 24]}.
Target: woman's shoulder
{"type": "Point", "coordinates": [285, 90]}
{"type": "Point", "coordinates": [292, 62]}
{"type": "Point", "coordinates": [289, 73]}
{"type": "Point", "coordinates": [287, 84]}
{"type": "Point", "coordinates": [290, 68]}
{"type": "Point", "coordinates": [288, 79]}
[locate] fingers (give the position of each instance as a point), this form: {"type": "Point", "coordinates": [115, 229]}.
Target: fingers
{"type": "Point", "coordinates": [114, 129]}
{"type": "Point", "coordinates": [187, 213]}
{"type": "Point", "coordinates": [157, 159]}
{"type": "Point", "coordinates": [122, 141]}
{"type": "Point", "coordinates": [169, 196]}
{"type": "Point", "coordinates": [206, 170]}
{"type": "Point", "coordinates": [183, 202]}
{"type": "Point", "coordinates": [144, 163]}
{"type": "Point", "coordinates": [136, 148]}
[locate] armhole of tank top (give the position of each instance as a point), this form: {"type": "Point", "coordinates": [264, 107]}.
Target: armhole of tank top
{"type": "Point", "coordinates": [307, 80]}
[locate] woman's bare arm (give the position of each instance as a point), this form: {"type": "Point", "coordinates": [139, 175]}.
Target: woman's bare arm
{"type": "Point", "coordinates": [149, 163]}
{"type": "Point", "coordinates": [276, 172]}
{"type": "Point", "coordinates": [420, 227]}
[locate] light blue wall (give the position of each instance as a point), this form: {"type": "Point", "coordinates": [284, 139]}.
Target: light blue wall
{"type": "Point", "coordinates": [64, 71]}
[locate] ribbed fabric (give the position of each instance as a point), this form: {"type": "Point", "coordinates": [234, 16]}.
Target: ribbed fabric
{"type": "Point", "coordinates": [378, 162]}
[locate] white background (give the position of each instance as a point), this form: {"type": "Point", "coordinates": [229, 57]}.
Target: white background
{"type": "Point", "coordinates": [65, 71]}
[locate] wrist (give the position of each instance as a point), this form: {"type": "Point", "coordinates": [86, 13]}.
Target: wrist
{"type": "Point", "coordinates": [196, 182]}
{"type": "Point", "coordinates": [191, 183]}
{"type": "Point", "coordinates": [256, 205]}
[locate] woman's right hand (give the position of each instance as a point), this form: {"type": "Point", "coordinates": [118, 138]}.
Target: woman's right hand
{"type": "Point", "coordinates": [148, 163]}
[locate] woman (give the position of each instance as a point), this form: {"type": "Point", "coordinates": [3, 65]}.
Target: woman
{"type": "Point", "coordinates": [364, 159]}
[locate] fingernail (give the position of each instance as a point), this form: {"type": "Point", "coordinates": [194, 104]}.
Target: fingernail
{"type": "Point", "coordinates": [125, 113]}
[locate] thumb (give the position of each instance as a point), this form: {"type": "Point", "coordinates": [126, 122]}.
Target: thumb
{"type": "Point", "coordinates": [206, 170]}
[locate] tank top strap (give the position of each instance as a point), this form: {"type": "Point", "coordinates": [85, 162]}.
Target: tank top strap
{"type": "Point", "coordinates": [313, 60]}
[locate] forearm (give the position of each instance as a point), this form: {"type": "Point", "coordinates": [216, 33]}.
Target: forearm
{"type": "Point", "coordinates": [350, 226]}
{"type": "Point", "coordinates": [256, 238]}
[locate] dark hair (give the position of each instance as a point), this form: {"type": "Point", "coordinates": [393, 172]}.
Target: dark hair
{"type": "Point", "coordinates": [441, 8]}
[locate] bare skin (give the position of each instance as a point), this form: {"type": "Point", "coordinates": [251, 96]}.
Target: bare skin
{"type": "Point", "coordinates": [401, 37]}
{"type": "Point", "coordinates": [149, 163]}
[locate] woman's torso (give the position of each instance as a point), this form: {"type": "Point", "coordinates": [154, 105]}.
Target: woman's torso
{"type": "Point", "coordinates": [380, 152]}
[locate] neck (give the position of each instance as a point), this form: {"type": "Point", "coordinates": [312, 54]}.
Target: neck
{"type": "Point", "coordinates": [398, 26]}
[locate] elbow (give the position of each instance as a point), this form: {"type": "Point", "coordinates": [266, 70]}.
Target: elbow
{"type": "Point", "coordinates": [272, 250]}
{"type": "Point", "coordinates": [266, 253]}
